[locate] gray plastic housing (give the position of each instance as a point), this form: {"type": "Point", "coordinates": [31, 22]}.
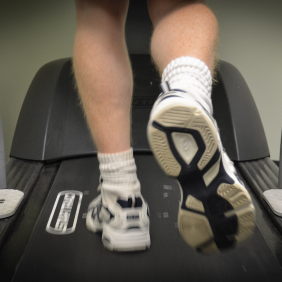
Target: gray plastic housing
{"type": "Point", "coordinates": [3, 183]}
{"type": "Point", "coordinates": [51, 123]}
{"type": "Point", "coordinates": [238, 118]}
{"type": "Point", "coordinates": [52, 126]}
{"type": "Point", "coordinates": [280, 165]}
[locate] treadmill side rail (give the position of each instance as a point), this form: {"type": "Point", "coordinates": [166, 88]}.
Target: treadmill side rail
{"type": "Point", "coordinates": [21, 175]}
{"type": "Point", "coordinates": [274, 199]}
{"type": "Point", "coordinates": [262, 176]}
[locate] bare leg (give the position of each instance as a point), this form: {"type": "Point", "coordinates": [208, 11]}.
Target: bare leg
{"type": "Point", "coordinates": [104, 78]}
{"type": "Point", "coordinates": [182, 28]}
{"type": "Point", "coordinates": [103, 72]}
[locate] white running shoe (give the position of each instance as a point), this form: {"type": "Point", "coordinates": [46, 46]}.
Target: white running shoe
{"type": "Point", "coordinates": [122, 219]}
{"type": "Point", "coordinates": [216, 211]}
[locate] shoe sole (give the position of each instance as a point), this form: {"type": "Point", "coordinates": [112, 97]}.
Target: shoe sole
{"type": "Point", "coordinates": [215, 212]}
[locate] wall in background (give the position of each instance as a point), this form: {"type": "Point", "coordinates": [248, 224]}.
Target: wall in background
{"type": "Point", "coordinates": [32, 33]}
{"type": "Point", "coordinates": [251, 39]}
{"type": "Point", "coordinates": [36, 32]}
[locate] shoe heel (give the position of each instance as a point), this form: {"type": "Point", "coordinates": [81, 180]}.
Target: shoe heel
{"type": "Point", "coordinates": [90, 225]}
{"type": "Point", "coordinates": [204, 125]}
{"type": "Point", "coordinates": [126, 240]}
{"type": "Point", "coordinates": [160, 146]}
{"type": "Point", "coordinates": [187, 145]}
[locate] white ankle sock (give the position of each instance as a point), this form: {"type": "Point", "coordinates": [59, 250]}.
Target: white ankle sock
{"type": "Point", "coordinates": [118, 171]}
{"type": "Point", "coordinates": [191, 75]}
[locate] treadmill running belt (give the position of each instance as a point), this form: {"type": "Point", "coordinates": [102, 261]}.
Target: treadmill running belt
{"type": "Point", "coordinates": [80, 256]}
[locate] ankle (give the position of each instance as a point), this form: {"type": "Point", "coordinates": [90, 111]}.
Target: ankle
{"type": "Point", "coordinates": [118, 171]}
{"type": "Point", "coordinates": [192, 76]}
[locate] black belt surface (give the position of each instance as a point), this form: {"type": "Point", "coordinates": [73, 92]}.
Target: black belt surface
{"type": "Point", "coordinates": [80, 256]}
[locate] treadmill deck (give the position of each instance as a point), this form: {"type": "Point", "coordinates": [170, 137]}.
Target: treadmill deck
{"type": "Point", "coordinates": [80, 255]}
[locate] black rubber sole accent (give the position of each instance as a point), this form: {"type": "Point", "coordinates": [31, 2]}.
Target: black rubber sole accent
{"type": "Point", "coordinates": [192, 184]}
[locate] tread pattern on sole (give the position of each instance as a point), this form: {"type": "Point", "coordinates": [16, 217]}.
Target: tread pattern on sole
{"type": "Point", "coordinates": [163, 153]}
{"type": "Point", "coordinates": [243, 209]}
{"type": "Point", "coordinates": [194, 204]}
{"type": "Point", "coordinates": [200, 122]}
{"type": "Point", "coordinates": [194, 228]}
{"type": "Point", "coordinates": [178, 116]}
{"type": "Point", "coordinates": [232, 219]}
{"type": "Point", "coordinates": [246, 224]}
{"type": "Point", "coordinates": [211, 174]}
{"type": "Point", "coordinates": [192, 118]}
{"type": "Point", "coordinates": [234, 194]}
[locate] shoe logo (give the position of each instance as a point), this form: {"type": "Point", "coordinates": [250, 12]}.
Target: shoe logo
{"type": "Point", "coordinates": [2, 201]}
{"type": "Point", "coordinates": [63, 218]}
{"type": "Point", "coordinates": [186, 145]}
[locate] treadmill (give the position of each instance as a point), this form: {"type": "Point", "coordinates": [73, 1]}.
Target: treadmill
{"type": "Point", "coordinates": [53, 161]}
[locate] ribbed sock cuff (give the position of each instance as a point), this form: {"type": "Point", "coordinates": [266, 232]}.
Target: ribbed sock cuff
{"type": "Point", "coordinates": [118, 170]}
{"type": "Point", "coordinates": [191, 75]}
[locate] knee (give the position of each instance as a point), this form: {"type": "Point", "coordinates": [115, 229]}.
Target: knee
{"type": "Point", "coordinates": [160, 8]}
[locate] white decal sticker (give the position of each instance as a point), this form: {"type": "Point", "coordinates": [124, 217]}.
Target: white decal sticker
{"type": "Point", "coordinates": [63, 217]}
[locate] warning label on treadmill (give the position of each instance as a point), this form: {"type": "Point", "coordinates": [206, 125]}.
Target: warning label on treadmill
{"type": "Point", "coordinates": [65, 212]}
